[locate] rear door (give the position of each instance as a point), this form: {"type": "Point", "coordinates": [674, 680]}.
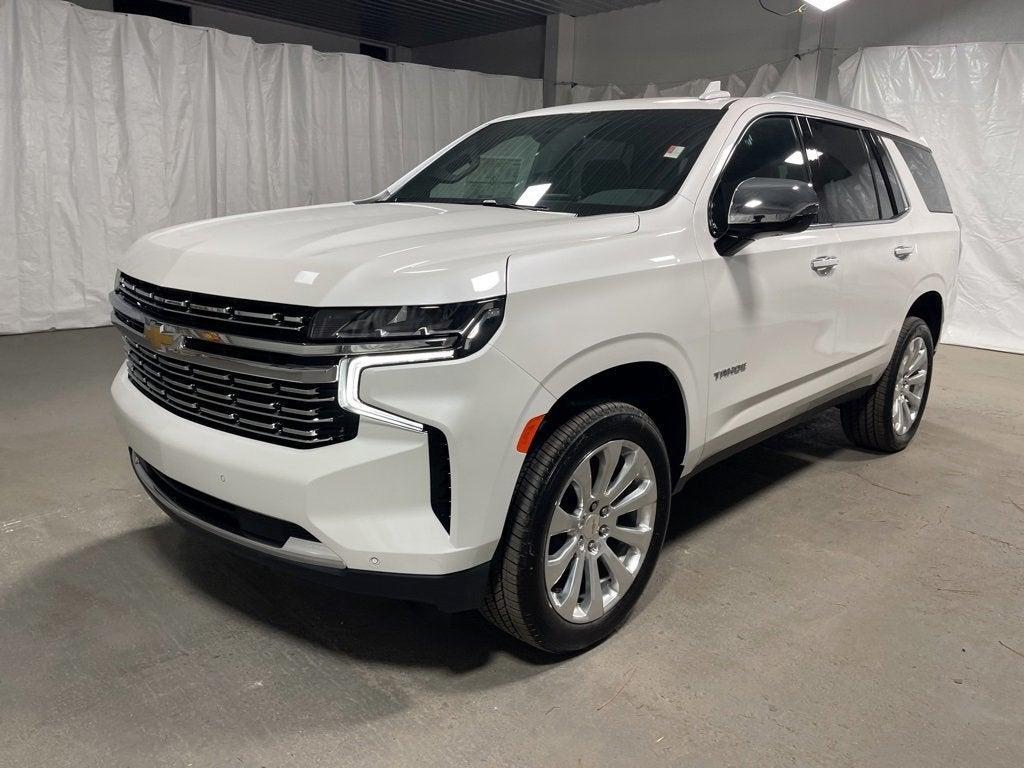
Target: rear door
{"type": "Point", "coordinates": [863, 202]}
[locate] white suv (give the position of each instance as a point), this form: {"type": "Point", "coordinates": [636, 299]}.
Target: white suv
{"type": "Point", "coordinates": [481, 387]}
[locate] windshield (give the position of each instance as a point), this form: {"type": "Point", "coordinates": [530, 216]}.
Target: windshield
{"type": "Point", "coordinates": [582, 163]}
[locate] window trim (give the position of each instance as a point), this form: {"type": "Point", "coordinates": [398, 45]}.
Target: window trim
{"type": "Point", "coordinates": [873, 222]}
{"type": "Point", "coordinates": [892, 180]}
{"type": "Point", "coordinates": [873, 163]}
{"type": "Point", "coordinates": [794, 119]}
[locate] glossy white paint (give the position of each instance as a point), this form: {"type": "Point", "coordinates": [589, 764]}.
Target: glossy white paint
{"type": "Point", "coordinates": [355, 255]}
{"type": "Point", "coordinates": [581, 308]}
{"type": "Point", "coordinates": [583, 295]}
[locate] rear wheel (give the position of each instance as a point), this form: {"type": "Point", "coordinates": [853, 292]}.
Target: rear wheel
{"type": "Point", "coordinates": [887, 417]}
{"type": "Point", "coordinates": [587, 523]}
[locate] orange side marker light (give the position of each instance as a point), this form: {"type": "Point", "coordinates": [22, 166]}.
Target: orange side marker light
{"type": "Point", "coordinates": [529, 432]}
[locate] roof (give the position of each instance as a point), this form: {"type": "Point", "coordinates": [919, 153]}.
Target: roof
{"type": "Point", "coordinates": [788, 101]}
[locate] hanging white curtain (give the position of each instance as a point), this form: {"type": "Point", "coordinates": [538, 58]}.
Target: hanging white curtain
{"type": "Point", "coordinates": [967, 101]}
{"type": "Point", "coordinates": [796, 76]}
{"type": "Point", "coordinates": [112, 126]}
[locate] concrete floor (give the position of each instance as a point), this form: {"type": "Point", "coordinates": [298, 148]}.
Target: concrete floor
{"type": "Point", "coordinates": [815, 605]}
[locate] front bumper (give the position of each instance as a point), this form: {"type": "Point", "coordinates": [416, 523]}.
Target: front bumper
{"type": "Point", "coordinates": [366, 500]}
{"type": "Point", "coordinates": [451, 592]}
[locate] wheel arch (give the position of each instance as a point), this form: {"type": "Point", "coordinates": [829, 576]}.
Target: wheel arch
{"type": "Point", "coordinates": [649, 385]}
{"type": "Point", "coordinates": [929, 307]}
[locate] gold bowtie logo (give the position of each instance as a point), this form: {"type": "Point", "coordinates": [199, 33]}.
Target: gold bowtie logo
{"type": "Point", "coordinates": [162, 337]}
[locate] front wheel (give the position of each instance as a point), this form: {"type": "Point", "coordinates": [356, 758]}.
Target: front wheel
{"type": "Point", "coordinates": [588, 518]}
{"type": "Point", "coordinates": [887, 417]}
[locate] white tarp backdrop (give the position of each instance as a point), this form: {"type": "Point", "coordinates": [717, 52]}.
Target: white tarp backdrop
{"type": "Point", "coordinates": [112, 126]}
{"type": "Point", "coordinates": [967, 101]}
{"type": "Point", "coordinates": [797, 76]}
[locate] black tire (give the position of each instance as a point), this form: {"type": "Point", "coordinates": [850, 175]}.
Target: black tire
{"type": "Point", "coordinates": [868, 421]}
{"type": "Point", "coordinates": [517, 601]}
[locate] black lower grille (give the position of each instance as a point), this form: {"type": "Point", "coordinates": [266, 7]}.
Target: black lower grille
{"type": "Point", "coordinates": [440, 477]}
{"type": "Point", "coordinates": [227, 516]}
{"type": "Point", "coordinates": [282, 412]}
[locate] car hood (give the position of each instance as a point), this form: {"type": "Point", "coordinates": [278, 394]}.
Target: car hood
{"type": "Point", "coordinates": [357, 255]}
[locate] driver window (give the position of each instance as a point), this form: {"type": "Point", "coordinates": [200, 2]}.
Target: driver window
{"type": "Point", "coordinates": [770, 148]}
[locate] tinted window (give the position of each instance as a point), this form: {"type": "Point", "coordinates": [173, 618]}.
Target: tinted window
{"type": "Point", "coordinates": [926, 174]}
{"type": "Point", "coordinates": [594, 162]}
{"type": "Point", "coordinates": [841, 173]}
{"type": "Point", "coordinates": [769, 149]}
{"type": "Point", "coordinates": [885, 205]}
{"type": "Point", "coordinates": [892, 183]}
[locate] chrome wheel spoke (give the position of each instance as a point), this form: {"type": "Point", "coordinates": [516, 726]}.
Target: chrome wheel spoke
{"type": "Point", "coordinates": [563, 522]}
{"type": "Point", "coordinates": [918, 360]}
{"type": "Point", "coordinates": [584, 483]}
{"type": "Point", "coordinates": [905, 413]}
{"type": "Point", "coordinates": [913, 397]}
{"type": "Point", "coordinates": [637, 538]}
{"type": "Point", "coordinates": [644, 494]}
{"type": "Point", "coordinates": [554, 567]}
{"type": "Point", "coordinates": [630, 471]}
{"type": "Point", "coordinates": [594, 607]}
{"type": "Point", "coordinates": [608, 460]}
{"type": "Point", "coordinates": [570, 596]}
{"type": "Point", "coordinates": [621, 575]}
{"type": "Point", "coordinates": [917, 378]}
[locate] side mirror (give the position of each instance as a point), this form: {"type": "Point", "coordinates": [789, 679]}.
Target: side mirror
{"type": "Point", "coordinates": [762, 206]}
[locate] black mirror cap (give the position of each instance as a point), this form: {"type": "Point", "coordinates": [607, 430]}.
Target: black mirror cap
{"type": "Point", "coordinates": [767, 206]}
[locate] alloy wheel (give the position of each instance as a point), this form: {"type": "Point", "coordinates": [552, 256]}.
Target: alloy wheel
{"type": "Point", "coordinates": [911, 380]}
{"type": "Point", "coordinates": [600, 531]}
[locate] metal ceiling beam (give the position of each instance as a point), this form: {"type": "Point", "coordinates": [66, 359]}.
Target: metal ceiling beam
{"type": "Point", "coordinates": [413, 23]}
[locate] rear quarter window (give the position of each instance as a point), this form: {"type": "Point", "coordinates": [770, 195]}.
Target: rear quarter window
{"type": "Point", "coordinates": [926, 175]}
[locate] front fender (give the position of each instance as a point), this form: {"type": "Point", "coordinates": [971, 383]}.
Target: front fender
{"type": "Point", "coordinates": [636, 348]}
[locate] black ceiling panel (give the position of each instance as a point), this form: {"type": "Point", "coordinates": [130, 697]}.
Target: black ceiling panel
{"type": "Point", "coordinates": [418, 22]}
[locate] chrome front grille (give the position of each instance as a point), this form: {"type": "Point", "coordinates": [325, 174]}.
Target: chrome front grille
{"type": "Point", "coordinates": [293, 413]}
{"type": "Point", "coordinates": [256, 319]}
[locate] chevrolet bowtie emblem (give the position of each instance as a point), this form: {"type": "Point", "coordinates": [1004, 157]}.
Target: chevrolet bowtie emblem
{"type": "Point", "coordinates": [162, 337]}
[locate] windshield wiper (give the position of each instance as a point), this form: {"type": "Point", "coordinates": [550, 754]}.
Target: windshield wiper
{"type": "Point", "coordinates": [496, 204]}
{"type": "Point", "coordinates": [454, 201]}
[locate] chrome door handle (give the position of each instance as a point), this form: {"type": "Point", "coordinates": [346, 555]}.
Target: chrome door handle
{"type": "Point", "coordinates": [902, 251]}
{"type": "Point", "coordinates": [825, 265]}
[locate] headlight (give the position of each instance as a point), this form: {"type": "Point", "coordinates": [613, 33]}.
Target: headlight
{"type": "Point", "coordinates": [464, 327]}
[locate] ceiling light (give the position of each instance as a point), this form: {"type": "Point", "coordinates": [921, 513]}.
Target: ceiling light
{"type": "Point", "coordinates": [824, 5]}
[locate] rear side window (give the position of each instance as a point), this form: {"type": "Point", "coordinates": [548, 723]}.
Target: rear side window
{"type": "Point", "coordinates": [926, 174]}
{"type": "Point", "coordinates": [841, 173]}
{"type": "Point", "coordinates": [770, 148]}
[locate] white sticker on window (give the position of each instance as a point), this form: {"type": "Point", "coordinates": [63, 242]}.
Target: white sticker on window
{"type": "Point", "coordinates": [532, 195]}
{"type": "Point", "coordinates": [674, 151]}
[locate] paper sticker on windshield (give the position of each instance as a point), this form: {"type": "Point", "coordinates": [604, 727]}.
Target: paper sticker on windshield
{"type": "Point", "coordinates": [674, 151]}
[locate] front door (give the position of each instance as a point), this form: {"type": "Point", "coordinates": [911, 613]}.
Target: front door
{"type": "Point", "coordinates": [773, 305]}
